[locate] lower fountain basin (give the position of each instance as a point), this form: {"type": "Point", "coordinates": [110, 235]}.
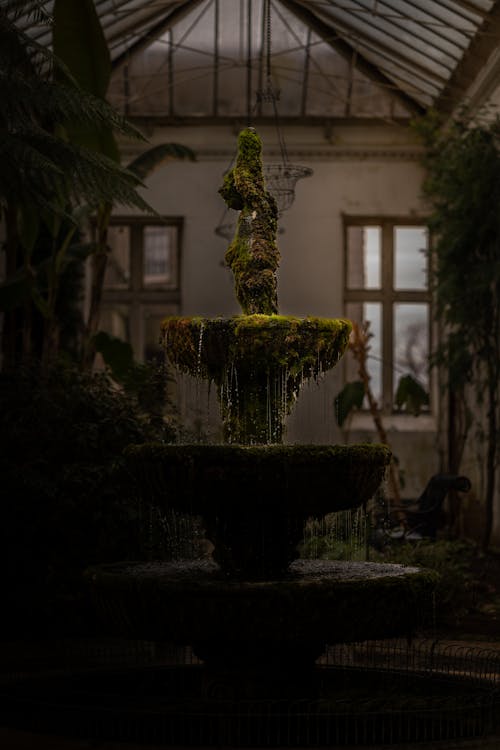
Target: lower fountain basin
{"type": "Point", "coordinates": [262, 624]}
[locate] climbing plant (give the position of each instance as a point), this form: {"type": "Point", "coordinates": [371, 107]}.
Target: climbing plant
{"type": "Point", "coordinates": [462, 185]}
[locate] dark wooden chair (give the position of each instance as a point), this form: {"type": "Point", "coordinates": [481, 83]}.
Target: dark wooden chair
{"type": "Point", "coordinates": [423, 517]}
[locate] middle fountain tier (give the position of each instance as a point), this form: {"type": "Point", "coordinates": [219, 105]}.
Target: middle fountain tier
{"type": "Point", "coordinates": [252, 492]}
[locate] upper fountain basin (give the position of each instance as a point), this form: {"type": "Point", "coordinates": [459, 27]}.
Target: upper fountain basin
{"type": "Point", "coordinates": [258, 364]}
{"type": "Point", "coordinates": [300, 347]}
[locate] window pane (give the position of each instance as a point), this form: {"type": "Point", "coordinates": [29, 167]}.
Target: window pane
{"type": "Point", "coordinates": [411, 343]}
{"type": "Point", "coordinates": [364, 257]}
{"type": "Point", "coordinates": [368, 313]}
{"type": "Point", "coordinates": [160, 257]}
{"type": "Point", "coordinates": [410, 258]}
{"type": "Point", "coordinates": [118, 265]}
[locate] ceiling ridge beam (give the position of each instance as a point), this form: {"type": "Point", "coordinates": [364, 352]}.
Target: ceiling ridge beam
{"type": "Point", "coordinates": [347, 51]}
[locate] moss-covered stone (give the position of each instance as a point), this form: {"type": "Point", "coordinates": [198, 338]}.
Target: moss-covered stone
{"type": "Point", "coordinates": [253, 255]}
{"type": "Point", "coordinates": [265, 358]}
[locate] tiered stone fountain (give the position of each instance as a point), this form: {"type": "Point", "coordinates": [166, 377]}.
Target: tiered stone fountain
{"type": "Point", "coordinates": [257, 616]}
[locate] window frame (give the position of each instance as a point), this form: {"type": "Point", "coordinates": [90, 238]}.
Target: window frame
{"type": "Point", "coordinates": [387, 296]}
{"type": "Point", "coordinates": [142, 301]}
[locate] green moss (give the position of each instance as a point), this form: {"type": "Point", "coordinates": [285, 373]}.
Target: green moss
{"type": "Point", "coordinates": [253, 254]}
{"type": "Point", "coordinates": [267, 356]}
{"type": "Point", "coordinates": [207, 347]}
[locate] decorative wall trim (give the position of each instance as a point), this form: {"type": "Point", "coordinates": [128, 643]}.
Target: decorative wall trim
{"type": "Point", "coordinates": [318, 154]}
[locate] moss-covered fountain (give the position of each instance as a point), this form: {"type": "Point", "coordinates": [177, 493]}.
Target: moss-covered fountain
{"type": "Point", "coordinates": [242, 642]}
{"type": "Point", "coordinates": [254, 608]}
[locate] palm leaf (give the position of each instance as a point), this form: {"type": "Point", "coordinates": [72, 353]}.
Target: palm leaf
{"type": "Point", "coordinates": [349, 399]}
{"type": "Point", "coordinates": [76, 31]}
{"type": "Point", "coordinates": [157, 155]}
{"type": "Point", "coordinates": [410, 395]}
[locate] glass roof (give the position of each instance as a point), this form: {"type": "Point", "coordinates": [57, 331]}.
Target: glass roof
{"type": "Point", "coordinates": [182, 59]}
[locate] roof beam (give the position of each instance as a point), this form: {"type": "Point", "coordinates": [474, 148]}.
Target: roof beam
{"type": "Point", "coordinates": [348, 52]}
{"type": "Point", "coordinates": [473, 63]}
{"type": "Point", "coordinates": [149, 36]}
{"type": "Point", "coordinates": [472, 8]}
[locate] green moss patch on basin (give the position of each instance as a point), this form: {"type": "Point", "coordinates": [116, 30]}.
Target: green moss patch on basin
{"type": "Point", "coordinates": [206, 347]}
{"type": "Point", "coordinates": [257, 362]}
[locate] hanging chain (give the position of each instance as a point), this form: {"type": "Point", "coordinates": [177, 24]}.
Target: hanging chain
{"type": "Point", "coordinates": [270, 94]}
{"type": "Point", "coordinates": [267, 12]}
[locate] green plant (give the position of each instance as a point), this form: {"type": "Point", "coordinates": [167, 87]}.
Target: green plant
{"type": "Point", "coordinates": [44, 177]}
{"type": "Point", "coordinates": [67, 500]}
{"type": "Point", "coordinates": [462, 185]}
{"type": "Point", "coordinates": [60, 165]}
{"type": "Point", "coordinates": [79, 41]}
{"type": "Point", "coordinates": [453, 560]}
{"type": "Point", "coordinates": [145, 382]}
{"type": "Point", "coordinates": [410, 396]}
{"type": "Point", "coordinates": [337, 536]}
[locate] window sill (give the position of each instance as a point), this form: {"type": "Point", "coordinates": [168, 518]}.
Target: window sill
{"type": "Point", "coordinates": [396, 422]}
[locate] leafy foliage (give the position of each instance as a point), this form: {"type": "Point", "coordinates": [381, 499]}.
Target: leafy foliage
{"type": "Point", "coordinates": [38, 165]}
{"type": "Point", "coordinates": [351, 397]}
{"type": "Point", "coordinates": [456, 592]}
{"type": "Point", "coordinates": [463, 188]}
{"type": "Point", "coordinates": [146, 383]}
{"type": "Point", "coordinates": [153, 157]}
{"type": "Point", "coordinates": [60, 164]}
{"type": "Point", "coordinates": [459, 590]}
{"type": "Point", "coordinates": [410, 396]}
{"type": "Point", "coordinates": [66, 499]}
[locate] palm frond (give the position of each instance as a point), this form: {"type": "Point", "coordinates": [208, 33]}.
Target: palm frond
{"type": "Point", "coordinates": [38, 165]}
{"type": "Point", "coordinates": [146, 162]}
{"type": "Point", "coordinates": [32, 9]}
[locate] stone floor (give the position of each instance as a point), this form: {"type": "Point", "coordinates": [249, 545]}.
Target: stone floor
{"type": "Point", "coordinates": [10, 740]}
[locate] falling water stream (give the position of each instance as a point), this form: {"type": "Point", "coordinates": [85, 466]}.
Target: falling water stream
{"type": "Point", "coordinates": [339, 536]}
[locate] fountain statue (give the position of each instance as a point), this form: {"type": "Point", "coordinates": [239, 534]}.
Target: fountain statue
{"type": "Point", "coordinates": [256, 615]}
